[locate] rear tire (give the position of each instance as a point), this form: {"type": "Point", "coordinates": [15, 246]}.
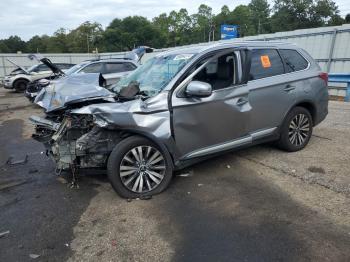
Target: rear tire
{"type": "Point", "coordinates": [296, 130]}
{"type": "Point", "coordinates": [138, 167]}
{"type": "Point", "coordinates": [20, 85]}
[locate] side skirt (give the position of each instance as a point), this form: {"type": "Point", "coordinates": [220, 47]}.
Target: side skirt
{"type": "Point", "coordinates": [256, 138]}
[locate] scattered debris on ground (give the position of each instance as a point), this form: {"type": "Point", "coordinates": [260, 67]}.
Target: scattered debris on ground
{"type": "Point", "coordinates": [5, 233]}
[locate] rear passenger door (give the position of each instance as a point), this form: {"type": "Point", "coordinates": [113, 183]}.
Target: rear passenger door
{"type": "Point", "coordinates": [271, 94]}
{"type": "Point", "coordinates": [113, 71]}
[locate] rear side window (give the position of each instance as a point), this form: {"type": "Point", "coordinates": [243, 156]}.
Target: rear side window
{"type": "Point", "coordinates": [118, 67]}
{"type": "Point", "coordinates": [294, 61]}
{"type": "Point", "coordinates": [265, 63]}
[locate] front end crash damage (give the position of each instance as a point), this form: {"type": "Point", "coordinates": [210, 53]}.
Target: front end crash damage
{"type": "Point", "coordinates": [77, 142]}
{"type": "Point", "coordinates": [86, 136]}
{"type": "Point", "coordinates": [73, 91]}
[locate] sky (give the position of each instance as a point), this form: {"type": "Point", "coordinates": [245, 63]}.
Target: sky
{"type": "Point", "coordinates": [27, 18]}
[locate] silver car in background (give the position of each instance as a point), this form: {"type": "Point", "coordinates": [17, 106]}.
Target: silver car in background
{"type": "Point", "coordinates": [185, 105]}
{"type": "Point", "coordinates": [111, 69]}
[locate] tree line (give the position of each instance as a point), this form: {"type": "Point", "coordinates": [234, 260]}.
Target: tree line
{"type": "Point", "coordinates": [181, 28]}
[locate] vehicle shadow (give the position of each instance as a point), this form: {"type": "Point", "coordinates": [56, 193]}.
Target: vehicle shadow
{"type": "Point", "coordinates": [228, 213]}
{"type": "Point", "coordinates": [37, 207]}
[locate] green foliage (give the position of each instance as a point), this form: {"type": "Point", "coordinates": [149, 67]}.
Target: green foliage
{"type": "Point", "coordinates": [181, 28]}
{"type": "Point", "coordinates": [297, 14]}
{"type": "Point", "coordinates": [347, 18]}
{"type": "Point", "coordinates": [260, 16]}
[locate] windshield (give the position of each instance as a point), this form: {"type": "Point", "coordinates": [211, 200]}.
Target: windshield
{"type": "Point", "coordinates": [75, 68]}
{"type": "Point", "coordinates": [155, 74]}
{"type": "Point", "coordinates": [30, 69]}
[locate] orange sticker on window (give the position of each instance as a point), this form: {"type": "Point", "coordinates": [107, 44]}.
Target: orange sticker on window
{"type": "Point", "coordinates": [265, 61]}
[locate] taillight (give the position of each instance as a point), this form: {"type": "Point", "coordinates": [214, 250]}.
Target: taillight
{"type": "Point", "coordinates": [324, 77]}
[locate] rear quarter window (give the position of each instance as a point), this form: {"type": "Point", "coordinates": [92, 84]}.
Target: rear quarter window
{"type": "Point", "coordinates": [265, 63]}
{"type": "Point", "coordinates": [293, 60]}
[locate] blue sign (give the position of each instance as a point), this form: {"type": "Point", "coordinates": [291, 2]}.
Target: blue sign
{"type": "Point", "coordinates": [229, 31]}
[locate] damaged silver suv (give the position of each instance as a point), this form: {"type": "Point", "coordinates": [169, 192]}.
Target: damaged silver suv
{"type": "Point", "coordinates": [185, 105]}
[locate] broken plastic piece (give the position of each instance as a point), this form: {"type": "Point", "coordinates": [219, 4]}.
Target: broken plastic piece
{"type": "Point", "coordinates": [187, 174]}
{"type": "Point", "coordinates": [2, 234]}
{"type": "Point", "coordinates": [34, 256]}
{"type": "Point", "coordinates": [146, 197]}
{"type": "Point", "coordinates": [12, 162]}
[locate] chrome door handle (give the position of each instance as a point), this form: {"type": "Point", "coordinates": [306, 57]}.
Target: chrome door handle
{"type": "Point", "coordinates": [289, 88]}
{"type": "Point", "coordinates": [241, 101]}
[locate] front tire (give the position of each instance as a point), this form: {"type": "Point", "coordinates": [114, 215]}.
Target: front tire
{"type": "Point", "coordinates": [138, 167]}
{"type": "Point", "coordinates": [296, 130]}
{"type": "Point", "coordinates": [20, 85]}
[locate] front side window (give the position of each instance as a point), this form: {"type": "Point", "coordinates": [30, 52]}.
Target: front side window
{"type": "Point", "coordinates": [265, 63]}
{"type": "Point", "coordinates": [219, 72]}
{"type": "Point", "coordinates": [293, 60]}
{"type": "Point", "coordinates": [155, 74]}
{"type": "Point", "coordinates": [93, 68]}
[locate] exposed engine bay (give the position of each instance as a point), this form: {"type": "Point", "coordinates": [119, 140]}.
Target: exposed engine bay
{"type": "Point", "coordinates": [76, 142]}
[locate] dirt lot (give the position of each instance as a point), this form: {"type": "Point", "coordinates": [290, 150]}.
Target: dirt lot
{"type": "Point", "coordinates": [258, 204]}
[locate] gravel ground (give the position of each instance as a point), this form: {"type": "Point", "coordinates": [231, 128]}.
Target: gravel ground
{"type": "Point", "coordinates": [257, 204]}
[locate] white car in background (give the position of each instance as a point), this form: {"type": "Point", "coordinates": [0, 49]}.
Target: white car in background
{"type": "Point", "coordinates": [20, 77]}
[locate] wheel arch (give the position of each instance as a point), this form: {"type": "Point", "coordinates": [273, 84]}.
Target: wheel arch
{"type": "Point", "coordinates": [308, 105]}
{"type": "Point", "coordinates": [167, 149]}
{"type": "Point", "coordinates": [21, 78]}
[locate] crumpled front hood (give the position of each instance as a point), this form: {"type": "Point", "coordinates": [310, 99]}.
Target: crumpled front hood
{"type": "Point", "coordinates": [112, 113]}
{"type": "Point", "coordinates": [150, 115]}
{"type": "Point", "coordinates": [70, 90]}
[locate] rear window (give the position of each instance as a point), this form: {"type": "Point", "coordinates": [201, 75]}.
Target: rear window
{"type": "Point", "coordinates": [265, 63]}
{"type": "Point", "coordinates": [294, 61]}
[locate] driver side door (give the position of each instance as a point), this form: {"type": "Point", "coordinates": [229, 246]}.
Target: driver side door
{"type": "Point", "coordinates": [206, 125]}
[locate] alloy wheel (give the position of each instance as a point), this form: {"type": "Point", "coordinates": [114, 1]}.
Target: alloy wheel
{"type": "Point", "coordinates": [142, 169]}
{"type": "Point", "coordinates": [299, 129]}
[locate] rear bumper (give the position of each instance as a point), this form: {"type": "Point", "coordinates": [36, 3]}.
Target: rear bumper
{"type": "Point", "coordinates": [321, 109]}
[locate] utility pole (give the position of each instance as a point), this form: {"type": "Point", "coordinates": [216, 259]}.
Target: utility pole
{"type": "Point", "coordinates": [259, 27]}
{"type": "Point", "coordinates": [87, 42]}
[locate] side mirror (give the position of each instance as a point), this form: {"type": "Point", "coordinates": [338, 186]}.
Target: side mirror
{"type": "Point", "coordinates": [198, 89]}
